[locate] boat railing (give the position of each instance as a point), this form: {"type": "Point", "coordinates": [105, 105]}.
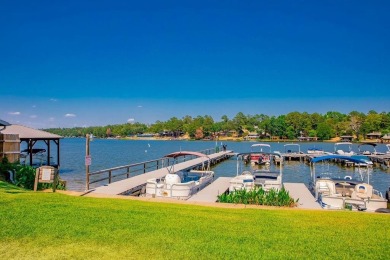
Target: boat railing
{"type": "Point", "coordinates": [126, 171]}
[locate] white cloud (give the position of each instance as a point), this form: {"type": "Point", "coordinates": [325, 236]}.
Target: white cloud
{"type": "Point", "coordinates": [34, 106]}
{"type": "Point", "coordinates": [70, 115]}
{"type": "Point", "coordinates": [139, 106]}
{"type": "Point", "coordinates": [14, 113]}
{"type": "Point", "coordinates": [130, 120]}
{"type": "Point", "coordinates": [53, 100]}
{"type": "Point", "coordinates": [51, 119]}
{"type": "Point", "coordinates": [33, 116]}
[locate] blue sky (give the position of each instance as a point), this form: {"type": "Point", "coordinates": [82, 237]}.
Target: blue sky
{"type": "Point", "coordinates": [83, 63]}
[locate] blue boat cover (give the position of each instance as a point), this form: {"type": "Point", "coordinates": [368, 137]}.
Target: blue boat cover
{"type": "Point", "coordinates": [340, 157]}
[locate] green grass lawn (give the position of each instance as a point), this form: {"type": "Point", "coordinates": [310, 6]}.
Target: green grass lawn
{"type": "Point", "coordinates": [56, 226]}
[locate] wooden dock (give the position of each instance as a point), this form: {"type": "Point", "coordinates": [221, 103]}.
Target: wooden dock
{"type": "Point", "coordinates": [211, 192]}
{"type": "Point", "coordinates": [380, 159]}
{"type": "Point", "coordinates": [301, 192]}
{"type": "Point", "coordinates": [294, 156]}
{"type": "Point", "coordinates": [132, 184]}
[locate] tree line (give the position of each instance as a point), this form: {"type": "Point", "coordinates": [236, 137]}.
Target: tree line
{"type": "Point", "coordinates": [289, 126]}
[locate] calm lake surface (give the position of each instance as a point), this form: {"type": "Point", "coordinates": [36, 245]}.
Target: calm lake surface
{"type": "Point", "coordinates": [107, 153]}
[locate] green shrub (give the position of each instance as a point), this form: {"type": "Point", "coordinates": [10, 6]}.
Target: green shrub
{"type": "Point", "coordinates": [259, 196]}
{"type": "Point", "coordinates": [25, 176]}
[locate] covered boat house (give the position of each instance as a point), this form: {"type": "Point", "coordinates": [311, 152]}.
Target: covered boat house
{"type": "Point", "coordinates": [386, 138]}
{"type": "Point", "coordinates": [29, 138]}
{"type": "Point", "coordinates": [374, 136]}
{"type": "Point", "coordinates": [346, 138]}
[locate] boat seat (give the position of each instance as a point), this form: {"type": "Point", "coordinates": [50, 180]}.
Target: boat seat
{"type": "Point", "coordinates": [362, 191]}
{"type": "Point", "coordinates": [327, 188]}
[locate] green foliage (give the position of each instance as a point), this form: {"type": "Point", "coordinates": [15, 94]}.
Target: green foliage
{"type": "Point", "coordinates": [292, 125]}
{"type": "Point", "coordinates": [324, 131]}
{"type": "Point", "coordinates": [258, 196]}
{"type": "Point", "coordinates": [24, 176]}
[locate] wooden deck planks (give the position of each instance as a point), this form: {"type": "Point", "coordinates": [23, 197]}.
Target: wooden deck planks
{"type": "Point", "coordinates": [210, 193]}
{"type": "Point", "coordinates": [301, 192]}
{"type": "Point", "coordinates": [119, 187]}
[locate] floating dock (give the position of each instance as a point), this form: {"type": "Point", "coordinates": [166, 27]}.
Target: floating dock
{"type": "Point", "coordinates": [210, 193]}
{"type": "Point", "coordinates": [133, 184]}
{"type": "Point", "coordinates": [301, 192]}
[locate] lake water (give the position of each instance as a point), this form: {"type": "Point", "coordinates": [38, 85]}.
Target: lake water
{"type": "Point", "coordinates": [107, 153]}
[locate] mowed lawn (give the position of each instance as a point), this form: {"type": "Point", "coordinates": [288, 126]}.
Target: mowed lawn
{"type": "Point", "coordinates": [57, 226]}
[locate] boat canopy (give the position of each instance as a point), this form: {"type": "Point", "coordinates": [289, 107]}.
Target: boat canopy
{"type": "Point", "coordinates": [263, 145]}
{"type": "Point", "coordinates": [340, 157]}
{"type": "Point", "coordinates": [343, 143]}
{"type": "Point", "coordinates": [268, 153]}
{"type": "Point", "coordinates": [34, 150]}
{"type": "Point", "coordinates": [292, 145]}
{"type": "Point", "coordinates": [185, 153]}
{"type": "Point", "coordinates": [372, 144]}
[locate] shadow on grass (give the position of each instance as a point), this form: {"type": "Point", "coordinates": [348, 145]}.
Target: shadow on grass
{"type": "Point", "coordinates": [10, 188]}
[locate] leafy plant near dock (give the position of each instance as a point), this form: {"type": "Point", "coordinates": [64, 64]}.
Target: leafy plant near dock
{"type": "Point", "coordinates": [259, 196]}
{"type": "Point", "coordinates": [24, 176]}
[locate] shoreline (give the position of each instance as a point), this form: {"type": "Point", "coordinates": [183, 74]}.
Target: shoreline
{"type": "Point", "coordinates": [232, 139]}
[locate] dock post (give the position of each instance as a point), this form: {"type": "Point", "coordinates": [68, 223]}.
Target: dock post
{"type": "Point", "coordinates": [87, 155]}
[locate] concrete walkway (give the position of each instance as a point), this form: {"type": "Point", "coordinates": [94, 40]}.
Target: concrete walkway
{"type": "Point", "coordinates": [211, 192]}
{"type": "Point", "coordinates": [301, 192]}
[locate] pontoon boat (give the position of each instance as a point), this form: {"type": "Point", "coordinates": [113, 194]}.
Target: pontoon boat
{"type": "Point", "coordinates": [248, 180]}
{"type": "Point", "coordinates": [347, 151]}
{"type": "Point", "coordinates": [340, 193]}
{"type": "Point", "coordinates": [181, 184]}
{"type": "Point", "coordinates": [260, 157]}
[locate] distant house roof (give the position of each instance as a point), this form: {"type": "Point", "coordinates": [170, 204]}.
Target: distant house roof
{"type": "Point", "coordinates": [25, 132]}
{"type": "Point", "coordinates": [375, 134]}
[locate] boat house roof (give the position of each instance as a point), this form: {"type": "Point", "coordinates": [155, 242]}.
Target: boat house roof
{"type": "Point", "coordinates": [25, 132]}
{"type": "Point", "coordinates": [31, 136]}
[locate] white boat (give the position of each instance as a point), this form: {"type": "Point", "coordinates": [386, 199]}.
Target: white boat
{"type": "Point", "coordinates": [363, 149]}
{"type": "Point", "coordinates": [260, 157]}
{"type": "Point", "coordinates": [315, 151]}
{"type": "Point", "coordinates": [248, 180]}
{"type": "Point", "coordinates": [341, 193]}
{"type": "Point", "coordinates": [343, 148]}
{"type": "Point", "coordinates": [388, 148]}
{"type": "Point", "coordinates": [181, 184]}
